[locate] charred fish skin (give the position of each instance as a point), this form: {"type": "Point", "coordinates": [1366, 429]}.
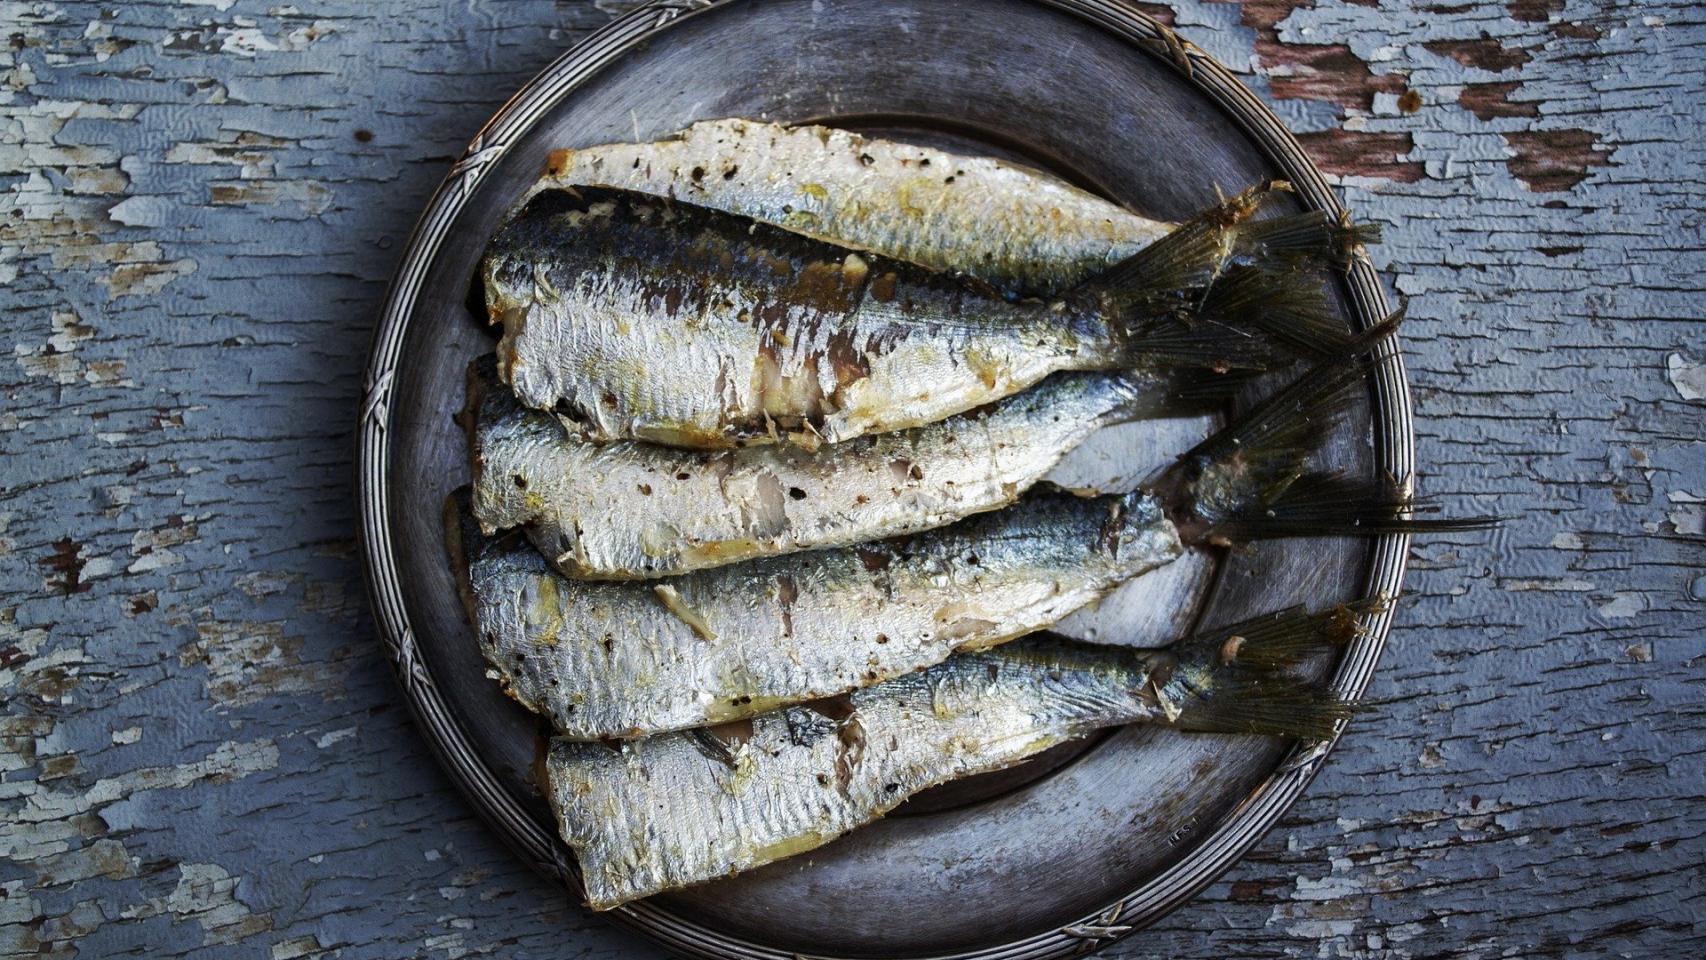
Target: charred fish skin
{"type": "Point", "coordinates": [620, 659]}
{"type": "Point", "coordinates": [625, 509]}
{"type": "Point", "coordinates": [1024, 232]}
{"type": "Point", "coordinates": [658, 320]}
{"type": "Point", "coordinates": [666, 812]}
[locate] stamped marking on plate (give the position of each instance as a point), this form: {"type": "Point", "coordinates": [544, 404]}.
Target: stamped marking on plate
{"type": "Point", "coordinates": [378, 404]}
{"type": "Point", "coordinates": [481, 153]}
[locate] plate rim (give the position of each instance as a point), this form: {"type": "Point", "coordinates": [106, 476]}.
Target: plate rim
{"type": "Point", "coordinates": [1228, 839]}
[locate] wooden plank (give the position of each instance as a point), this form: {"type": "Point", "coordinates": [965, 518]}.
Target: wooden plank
{"type": "Point", "coordinates": [202, 753]}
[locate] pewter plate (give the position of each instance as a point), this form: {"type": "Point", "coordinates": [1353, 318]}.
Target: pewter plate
{"type": "Point", "coordinates": [1086, 844]}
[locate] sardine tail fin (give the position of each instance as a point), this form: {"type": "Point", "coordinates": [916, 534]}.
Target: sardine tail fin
{"type": "Point", "coordinates": [1189, 256]}
{"type": "Point", "coordinates": [1270, 706]}
{"type": "Point", "coordinates": [1249, 320]}
{"type": "Point", "coordinates": [1286, 310]}
{"type": "Point", "coordinates": [1281, 640]}
{"type": "Point", "coordinates": [1326, 504]}
{"type": "Point", "coordinates": [1251, 480]}
{"type": "Point", "coordinates": [1293, 417]}
{"type": "Point", "coordinates": [1242, 677]}
{"type": "Point", "coordinates": [1226, 291]}
{"type": "Point", "coordinates": [1306, 239]}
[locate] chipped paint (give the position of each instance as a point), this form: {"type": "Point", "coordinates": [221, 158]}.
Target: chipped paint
{"type": "Point", "coordinates": [202, 752]}
{"type": "Point", "coordinates": [1687, 376]}
{"type": "Point", "coordinates": [249, 661]}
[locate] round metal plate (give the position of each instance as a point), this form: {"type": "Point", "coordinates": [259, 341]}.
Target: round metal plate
{"type": "Point", "coordinates": [1078, 847]}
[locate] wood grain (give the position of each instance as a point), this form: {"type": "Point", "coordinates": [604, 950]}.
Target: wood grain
{"type": "Point", "coordinates": [203, 754]}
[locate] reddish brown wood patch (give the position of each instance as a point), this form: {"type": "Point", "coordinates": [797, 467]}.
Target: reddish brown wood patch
{"type": "Point", "coordinates": [1534, 11]}
{"type": "Point", "coordinates": [1332, 73]}
{"type": "Point", "coordinates": [1487, 53]}
{"type": "Point", "coordinates": [1572, 30]}
{"type": "Point", "coordinates": [1489, 100]}
{"type": "Point", "coordinates": [1550, 161]}
{"type": "Point", "coordinates": [1364, 154]}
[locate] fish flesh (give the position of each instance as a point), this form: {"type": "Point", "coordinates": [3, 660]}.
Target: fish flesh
{"type": "Point", "coordinates": [628, 509]}
{"type": "Point", "coordinates": [1020, 230]}
{"type": "Point", "coordinates": [621, 659]}
{"type": "Point", "coordinates": [652, 319]}
{"type": "Point", "coordinates": [652, 815]}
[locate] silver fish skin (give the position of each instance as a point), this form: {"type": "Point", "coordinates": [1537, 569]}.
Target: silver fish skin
{"type": "Point", "coordinates": [621, 659]}
{"type": "Point", "coordinates": [682, 808]}
{"type": "Point", "coordinates": [674, 810]}
{"type": "Point", "coordinates": [627, 509]}
{"type": "Point", "coordinates": [1020, 230]}
{"type": "Point", "coordinates": [656, 320]}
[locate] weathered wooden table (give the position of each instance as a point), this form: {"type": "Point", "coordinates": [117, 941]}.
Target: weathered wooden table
{"type": "Point", "coordinates": [202, 752]}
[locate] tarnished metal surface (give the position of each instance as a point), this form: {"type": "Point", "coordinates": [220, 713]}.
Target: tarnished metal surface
{"type": "Point", "coordinates": [901, 887]}
{"type": "Point", "coordinates": [203, 751]}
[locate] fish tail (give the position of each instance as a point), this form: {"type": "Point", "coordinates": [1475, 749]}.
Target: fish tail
{"type": "Point", "coordinates": [1251, 479]}
{"type": "Point", "coordinates": [1271, 441]}
{"type": "Point", "coordinates": [1308, 238]}
{"type": "Point", "coordinates": [1251, 319]}
{"type": "Point", "coordinates": [1329, 504]}
{"type": "Point", "coordinates": [1190, 255]}
{"type": "Point", "coordinates": [1284, 639]}
{"type": "Point", "coordinates": [1270, 706]}
{"type": "Point", "coordinates": [1236, 678]}
{"type": "Point", "coordinates": [1226, 292]}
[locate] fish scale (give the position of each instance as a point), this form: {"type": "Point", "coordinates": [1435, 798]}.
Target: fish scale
{"type": "Point", "coordinates": [656, 320]}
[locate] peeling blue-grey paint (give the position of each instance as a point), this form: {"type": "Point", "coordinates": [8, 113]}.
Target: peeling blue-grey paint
{"type": "Point", "coordinates": [202, 753]}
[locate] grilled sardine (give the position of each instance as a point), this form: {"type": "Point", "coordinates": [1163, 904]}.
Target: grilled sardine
{"type": "Point", "coordinates": [629, 509]}
{"type": "Point", "coordinates": [623, 659]}
{"type": "Point", "coordinates": [653, 319]}
{"type": "Point", "coordinates": [1020, 230]}
{"type": "Point", "coordinates": [618, 659]}
{"type": "Point", "coordinates": [678, 809]}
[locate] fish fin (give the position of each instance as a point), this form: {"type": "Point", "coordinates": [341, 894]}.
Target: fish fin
{"type": "Point", "coordinates": [1311, 237]}
{"type": "Point", "coordinates": [1251, 319]}
{"type": "Point", "coordinates": [1250, 480]}
{"type": "Point", "coordinates": [1196, 390]}
{"type": "Point", "coordinates": [1287, 309]}
{"type": "Point", "coordinates": [1294, 417]}
{"type": "Point", "coordinates": [1225, 291]}
{"type": "Point", "coordinates": [1271, 706]}
{"type": "Point", "coordinates": [1253, 458]}
{"type": "Point", "coordinates": [1326, 504]}
{"type": "Point", "coordinates": [1189, 256]}
{"type": "Point", "coordinates": [1281, 640]}
{"type": "Point", "coordinates": [1239, 678]}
